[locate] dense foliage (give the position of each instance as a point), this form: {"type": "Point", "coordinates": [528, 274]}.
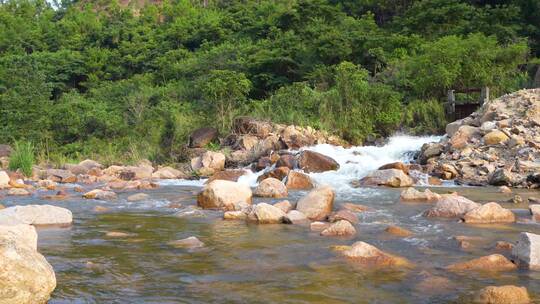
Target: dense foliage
{"type": "Point", "coordinates": [85, 77]}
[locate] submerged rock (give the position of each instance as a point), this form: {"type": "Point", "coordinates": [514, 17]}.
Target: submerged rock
{"type": "Point", "coordinates": [527, 251]}
{"type": "Point", "coordinates": [138, 197]}
{"type": "Point", "coordinates": [355, 207]}
{"type": "Point", "coordinates": [451, 205]}
{"type": "Point", "coordinates": [507, 294]}
{"type": "Point", "coordinates": [18, 192]}
{"type": "Point", "coordinates": [298, 181]}
{"type": "Point", "coordinates": [339, 228]}
{"type": "Point", "coordinates": [488, 214]}
{"type": "Point", "coordinates": [311, 161]}
{"type": "Point", "coordinates": [317, 204]}
{"type": "Point", "coordinates": [490, 263]}
{"type": "Point", "coordinates": [398, 231]}
{"type": "Point", "coordinates": [318, 226]}
{"type": "Point", "coordinates": [38, 215]}
{"type": "Point", "coordinates": [271, 187]}
{"type": "Point", "coordinates": [100, 195]}
{"type": "Point", "coordinates": [388, 177]}
{"type": "Point", "coordinates": [222, 194]}
{"type": "Point", "coordinates": [370, 256]}
{"type": "Point", "coordinates": [190, 243]}
{"type": "Point", "coordinates": [413, 195]}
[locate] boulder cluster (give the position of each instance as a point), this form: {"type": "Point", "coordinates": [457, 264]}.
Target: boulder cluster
{"type": "Point", "coordinates": [497, 145]}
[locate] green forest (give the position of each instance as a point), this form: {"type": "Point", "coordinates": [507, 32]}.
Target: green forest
{"type": "Point", "coordinates": [131, 79]}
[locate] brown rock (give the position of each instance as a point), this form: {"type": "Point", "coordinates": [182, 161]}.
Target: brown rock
{"type": "Point", "coordinates": [488, 214]}
{"type": "Point", "coordinates": [490, 263]}
{"type": "Point", "coordinates": [507, 294]}
{"type": "Point", "coordinates": [279, 173]}
{"type": "Point", "coordinates": [343, 215]}
{"type": "Point", "coordinates": [61, 176]}
{"type": "Point", "coordinates": [311, 161]}
{"type": "Point", "coordinates": [370, 256]}
{"type": "Point", "coordinates": [200, 138]}
{"type": "Point", "coordinates": [339, 228]}
{"type": "Point", "coordinates": [229, 175]}
{"type": "Point", "coordinates": [249, 125]}
{"type": "Point", "coordinates": [495, 137]}
{"type": "Point", "coordinates": [271, 187]}
{"type": "Point", "coordinates": [389, 177]}
{"type": "Point", "coordinates": [285, 206]}
{"type": "Point", "coordinates": [502, 245]}
{"type": "Point", "coordinates": [318, 226]}
{"type": "Point", "coordinates": [286, 160]}
{"type": "Point", "coordinates": [100, 209]}
{"type": "Point", "coordinates": [413, 195]}
{"type": "Point", "coordinates": [268, 214]}
{"type": "Point", "coordinates": [221, 194]}
{"type": "Point", "coordinates": [451, 205]}
{"type": "Point", "coordinates": [398, 231]}
{"type": "Point", "coordinates": [317, 204]}
{"type": "Point", "coordinates": [235, 215]}
{"type": "Point", "coordinates": [397, 165]}
{"type": "Point", "coordinates": [355, 207]}
{"type": "Point", "coordinates": [298, 181]}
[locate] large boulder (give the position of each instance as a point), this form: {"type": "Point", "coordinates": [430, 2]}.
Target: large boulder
{"type": "Point", "coordinates": [271, 187]}
{"type": "Point", "coordinates": [19, 232]}
{"type": "Point", "coordinates": [311, 161]}
{"type": "Point", "coordinates": [371, 256]}
{"type": "Point", "coordinates": [25, 276]}
{"type": "Point", "coordinates": [463, 135]}
{"type": "Point", "coordinates": [222, 194]}
{"type": "Point", "coordinates": [507, 294]}
{"type": "Point", "coordinates": [495, 137]}
{"type": "Point", "coordinates": [39, 215]}
{"type": "Point", "coordinates": [268, 214]}
{"type": "Point", "coordinates": [527, 251]}
{"type": "Point", "coordinates": [298, 181]}
{"type": "Point", "coordinates": [388, 177]}
{"type": "Point", "coordinates": [451, 205]}
{"type": "Point", "coordinates": [200, 138]}
{"type": "Point", "coordinates": [209, 162]}
{"type": "Point", "coordinates": [317, 204]}
{"type": "Point", "coordinates": [490, 263]}
{"type": "Point", "coordinates": [249, 125]}
{"type": "Point", "coordinates": [413, 195]}
{"type": "Point", "coordinates": [430, 150]}
{"type": "Point", "coordinates": [488, 214]}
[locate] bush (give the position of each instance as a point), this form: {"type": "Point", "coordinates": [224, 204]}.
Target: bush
{"type": "Point", "coordinates": [22, 157]}
{"type": "Point", "coordinates": [425, 117]}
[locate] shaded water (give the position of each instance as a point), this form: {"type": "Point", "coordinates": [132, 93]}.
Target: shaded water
{"type": "Point", "coordinates": [249, 263]}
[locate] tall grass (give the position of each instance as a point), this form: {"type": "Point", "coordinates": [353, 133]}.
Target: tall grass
{"type": "Point", "coordinates": [22, 157]}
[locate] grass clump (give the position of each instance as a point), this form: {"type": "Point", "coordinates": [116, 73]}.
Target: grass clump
{"type": "Point", "coordinates": [22, 157]}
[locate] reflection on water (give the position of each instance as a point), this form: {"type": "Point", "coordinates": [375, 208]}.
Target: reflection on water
{"type": "Point", "coordinates": [265, 263]}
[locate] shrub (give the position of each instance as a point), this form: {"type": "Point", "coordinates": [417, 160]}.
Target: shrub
{"type": "Point", "coordinates": [425, 117]}
{"type": "Point", "coordinates": [22, 157]}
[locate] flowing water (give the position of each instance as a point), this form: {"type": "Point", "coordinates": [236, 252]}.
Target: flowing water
{"type": "Point", "coordinates": [249, 263]}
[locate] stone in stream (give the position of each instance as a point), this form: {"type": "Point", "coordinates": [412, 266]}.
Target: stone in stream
{"type": "Point", "coordinates": [339, 228]}
{"type": "Point", "coordinates": [296, 217]}
{"type": "Point", "coordinates": [38, 215]}
{"type": "Point", "coordinates": [317, 204]}
{"type": "Point", "coordinates": [235, 215]}
{"type": "Point", "coordinates": [527, 251]}
{"type": "Point", "coordinates": [285, 206]}
{"type": "Point", "coordinates": [286, 160]}
{"type": "Point", "coordinates": [222, 194]}
{"type": "Point", "coordinates": [209, 163]}
{"type": "Point", "coordinates": [118, 234]}
{"type": "Point", "coordinates": [25, 275]}
{"type": "Point", "coordinates": [343, 214]}
{"type": "Point", "coordinates": [298, 181]}
{"type": "Point", "coordinates": [268, 214]}
{"type": "Point", "coordinates": [18, 192]}
{"type": "Point", "coordinates": [370, 256]}
{"type": "Point", "coordinates": [490, 263]}
{"type": "Point", "coordinates": [138, 197]}
{"type": "Point", "coordinates": [412, 195]}
{"type": "Point", "coordinates": [311, 161]}
{"type": "Point", "coordinates": [503, 246]}
{"type": "Point", "coordinates": [397, 165]}
{"type": "Point", "coordinates": [505, 189]}
{"type": "Point", "coordinates": [100, 209]}
{"type": "Point", "coordinates": [99, 194]}
{"type": "Point", "coordinates": [189, 243]}
{"type": "Point", "coordinates": [318, 226]}
{"type": "Point", "coordinates": [355, 207]}
{"type": "Point", "coordinates": [389, 177]}
{"type": "Point", "coordinates": [451, 205]}
{"type": "Point", "coordinates": [229, 175]}
{"type": "Point", "coordinates": [271, 187]}
{"type": "Point", "coordinates": [535, 211]}
{"type": "Point", "coordinates": [398, 231]}
{"type": "Point", "coordinates": [507, 294]}
{"type": "Point", "coordinates": [168, 173]}
{"type": "Point", "coordinates": [489, 213]}
{"type": "Point", "coordinates": [279, 173]}
{"type": "Point", "coordinates": [61, 176]}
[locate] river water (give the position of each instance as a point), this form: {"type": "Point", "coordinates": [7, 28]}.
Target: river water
{"type": "Point", "coordinates": [250, 263]}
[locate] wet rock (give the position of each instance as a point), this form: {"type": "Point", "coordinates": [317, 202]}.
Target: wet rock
{"type": "Point", "coordinates": [398, 231]}
{"type": "Point", "coordinates": [495, 137]}
{"type": "Point", "coordinates": [339, 228]}
{"type": "Point", "coordinates": [286, 160]}
{"type": "Point", "coordinates": [431, 284]}
{"type": "Point", "coordinates": [61, 176]}
{"type": "Point", "coordinates": [317, 204]}
{"type": "Point", "coordinates": [38, 215]}
{"type": "Point", "coordinates": [490, 263]}
{"type": "Point", "coordinates": [343, 214]}
{"type": "Point", "coordinates": [279, 173]}
{"type": "Point", "coordinates": [370, 256]}
{"type": "Point", "coordinates": [296, 217]}
{"type": "Point", "coordinates": [209, 163]}
{"type": "Point", "coordinates": [285, 206]}
{"type": "Point", "coordinates": [235, 215]}
{"type": "Point", "coordinates": [101, 209]}
{"type": "Point", "coordinates": [18, 192]}
{"type": "Point", "coordinates": [271, 187]}
{"type": "Point", "coordinates": [451, 205]}
{"type": "Point", "coordinates": [201, 137]}
{"type": "Point", "coordinates": [25, 276]}
{"type": "Point", "coordinates": [221, 194]}
{"type": "Point", "coordinates": [138, 197]}
{"type": "Point", "coordinates": [318, 226]}
{"type": "Point", "coordinates": [263, 163]}
{"type": "Point", "coordinates": [505, 189]}
{"type": "Point", "coordinates": [501, 177]}
{"type": "Point", "coordinates": [430, 150]}
{"type": "Point", "coordinates": [527, 251]}
{"type": "Point", "coordinates": [413, 195]}
{"type": "Point", "coordinates": [488, 214]}
{"type": "Point", "coordinates": [389, 177]}
{"type": "Point", "coordinates": [229, 175]}
{"type": "Point", "coordinates": [311, 161]}
{"type": "Point", "coordinates": [190, 243]}
{"type": "Point", "coordinates": [190, 211]}
{"type": "Point", "coordinates": [397, 165]}
{"type": "Point", "coordinates": [434, 181]}
{"type": "Point", "coordinates": [503, 246]}
{"type": "Point", "coordinates": [100, 195]}
{"type": "Point", "coordinates": [268, 214]}
{"type": "Point", "coordinates": [298, 181]}
{"type": "Point", "coordinates": [168, 173]}
{"type": "Point", "coordinates": [355, 207]}
{"type": "Point", "coordinates": [507, 294]}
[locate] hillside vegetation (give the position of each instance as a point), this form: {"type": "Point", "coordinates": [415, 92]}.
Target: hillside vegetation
{"type": "Point", "coordinates": [131, 80]}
